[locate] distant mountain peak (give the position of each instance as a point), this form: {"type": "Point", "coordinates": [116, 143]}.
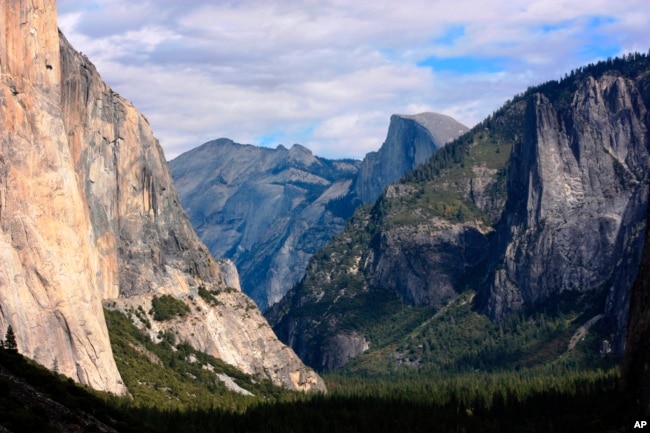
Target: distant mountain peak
{"type": "Point", "coordinates": [302, 155]}
{"type": "Point", "coordinates": [269, 210]}
{"type": "Point", "coordinates": [411, 140]}
{"type": "Point", "coordinates": [539, 210]}
{"type": "Point", "coordinates": [442, 128]}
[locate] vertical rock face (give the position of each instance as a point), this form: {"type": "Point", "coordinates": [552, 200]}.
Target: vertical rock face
{"type": "Point", "coordinates": [577, 199]}
{"type": "Point", "coordinates": [636, 364]}
{"type": "Point", "coordinates": [88, 212]}
{"type": "Point", "coordinates": [427, 264]}
{"type": "Point", "coordinates": [411, 140]}
{"type": "Point", "coordinates": [406, 250]}
{"type": "Point", "coordinates": [144, 239]}
{"type": "Point", "coordinates": [50, 283]}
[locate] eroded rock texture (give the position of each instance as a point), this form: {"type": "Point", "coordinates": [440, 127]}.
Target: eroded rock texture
{"type": "Point", "coordinates": [89, 212]}
{"type": "Point", "coordinates": [541, 205]}
{"type": "Point", "coordinates": [50, 277]}
{"type": "Point", "coordinates": [577, 200]}
{"type": "Point", "coordinates": [268, 210]}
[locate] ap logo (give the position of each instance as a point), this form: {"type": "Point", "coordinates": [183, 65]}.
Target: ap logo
{"type": "Point", "coordinates": [640, 424]}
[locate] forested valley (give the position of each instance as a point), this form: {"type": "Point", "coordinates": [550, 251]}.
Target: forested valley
{"type": "Point", "coordinates": [443, 368]}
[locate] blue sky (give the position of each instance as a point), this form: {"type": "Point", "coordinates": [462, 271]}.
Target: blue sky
{"type": "Point", "coordinates": [328, 74]}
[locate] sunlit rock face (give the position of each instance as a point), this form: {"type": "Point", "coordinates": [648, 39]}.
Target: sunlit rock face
{"type": "Point", "coordinates": [51, 280]}
{"type": "Point", "coordinates": [559, 224]}
{"type": "Point", "coordinates": [266, 209]}
{"type": "Point", "coordinates": [88, 213]}
{"type": "Point", "coordinates": [577, 200]}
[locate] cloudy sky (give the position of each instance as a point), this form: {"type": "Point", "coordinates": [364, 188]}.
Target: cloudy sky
{"type": "Point", "coordinates": [328, 74]}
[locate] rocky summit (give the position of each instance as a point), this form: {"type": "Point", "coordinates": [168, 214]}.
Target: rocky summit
{"type": "Point", "coordinates": [270, 210]}
{"type": "Point", "coordinates": [89, 217]}
{"type": "Point", "coordinates": [410, 141]}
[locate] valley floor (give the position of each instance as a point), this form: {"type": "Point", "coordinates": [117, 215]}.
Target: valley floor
{"type": "Point", "coordinates": [32, 400]}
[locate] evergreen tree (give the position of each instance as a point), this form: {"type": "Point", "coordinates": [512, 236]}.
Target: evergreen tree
{"type": "Point", "coordinates": [10, 340]}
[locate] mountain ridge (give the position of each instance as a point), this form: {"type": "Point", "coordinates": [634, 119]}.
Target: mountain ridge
{"type": "Point", "coordinates": [410, 141]}
{"type": "Point", "coordinates": [540, 155]}
{"type": "Point", "coordinates": [301, 200]}
{"type": "Point", "coordinates": [244, 199]}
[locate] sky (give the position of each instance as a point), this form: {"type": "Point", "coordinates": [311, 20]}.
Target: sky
{"type": "Point", "coordinates": [328, 74]}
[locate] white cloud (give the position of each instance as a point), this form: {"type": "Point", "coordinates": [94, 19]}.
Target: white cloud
{"type": "Point", "coordinates": [328, 74]}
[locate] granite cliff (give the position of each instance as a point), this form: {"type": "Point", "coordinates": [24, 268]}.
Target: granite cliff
{"type": "Point", "coordinates": [270, 210]}
{"type": "Point", "coordinates": [410, 141]}
{"type": "Point", "coordinates": [50, 291]}
{"type": "Point", "coordinates": [540, 207]}
{"type": "Point", "coordinates": [89, 213]}
{"type": "Point", "coordinates": [577, 199]}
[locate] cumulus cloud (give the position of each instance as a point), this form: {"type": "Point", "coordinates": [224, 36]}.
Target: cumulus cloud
{"type": "Point", "coordinates": [328, 74]}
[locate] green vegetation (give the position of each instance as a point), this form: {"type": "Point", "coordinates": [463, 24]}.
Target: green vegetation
{"type": "Point", "coordinates": [141, 315]}
{"type": "Point", "coordinates": [458, 340]}
{"type": "Point", "coordinates": [22, 410]}
{"type": "Point", "coordinates": [463, 183]}
{"type": "Point", "coordinates": [444, 370]}
{"type": "Point", "coordinates": [442, 182]}
{"type": "Point", "coordinates": [209, 296]}
{"type": "Point", "coordinates": [168, 374]}
{"type": "Point", "coordinates": [477, 403]}
{"type": "Point", "coordinates": [442, 187]}
{"type": "Point", "coordinates": [9, 342]}
{"type": "Point", "coordinates": [167, 307]}
{"type": "Point", "coordinates": [515, 401]}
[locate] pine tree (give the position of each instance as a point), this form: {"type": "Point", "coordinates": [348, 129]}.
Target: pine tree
{"type": "Point", "coordinates": [10, 340]}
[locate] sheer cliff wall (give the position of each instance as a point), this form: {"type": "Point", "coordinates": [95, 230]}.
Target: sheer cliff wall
{"type": "Point", "coordinates": [89, 213]}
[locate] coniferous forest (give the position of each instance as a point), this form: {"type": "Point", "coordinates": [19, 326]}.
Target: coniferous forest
{"type": "Point", "coordinates": [509, 402]}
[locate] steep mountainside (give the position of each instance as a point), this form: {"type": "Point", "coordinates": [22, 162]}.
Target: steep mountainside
{"type": "Point", "coordinates": [636, 363]}
{"type": "Point", "coordinates": [266, 209]}
{"type": "Point", "coordinates": [540, 208]}
{"type": "Point", "coordinates": [50, 291]}
{"type": "Point", "coordinates": [89, 213]}
{"type": "Point", "coordinates": [577, 198]}
{"type": "Point", "coordinates": [269, 210]}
